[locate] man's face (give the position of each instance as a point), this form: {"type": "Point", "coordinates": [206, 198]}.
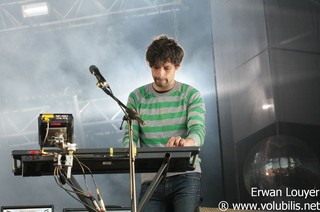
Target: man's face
{"type": "Point", "coordinates": [163, 76]}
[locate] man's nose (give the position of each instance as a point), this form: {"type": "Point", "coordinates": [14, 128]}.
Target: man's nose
{"type": "Point", "coordinates": [161, 72]}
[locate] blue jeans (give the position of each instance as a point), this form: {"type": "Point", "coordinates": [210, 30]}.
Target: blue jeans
{"type": "Point", "coordinates": [179, 193]}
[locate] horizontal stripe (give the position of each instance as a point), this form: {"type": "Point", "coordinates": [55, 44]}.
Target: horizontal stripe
{"type": "Point", "coordinates": [164, 116]}
{"type": "Point", "coordinates": [163, 128]}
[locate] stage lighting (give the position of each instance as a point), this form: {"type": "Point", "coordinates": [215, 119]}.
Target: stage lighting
{"type": "Point", "coordinates": [55, 130]}
{"type": "Point", "coordinates": [36, 9]}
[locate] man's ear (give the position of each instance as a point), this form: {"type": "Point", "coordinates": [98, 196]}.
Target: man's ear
{"type": "Point", "coordinates": [177, 67]}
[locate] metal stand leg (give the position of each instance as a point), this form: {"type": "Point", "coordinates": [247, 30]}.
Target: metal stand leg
{"type": "Point", "coordinates": [161, 174]}
{"type": "Point", "coordinates": [133, 194]}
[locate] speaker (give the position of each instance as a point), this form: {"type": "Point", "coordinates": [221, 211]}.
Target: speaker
{"type": "Point", "coordinates": [25, 208]}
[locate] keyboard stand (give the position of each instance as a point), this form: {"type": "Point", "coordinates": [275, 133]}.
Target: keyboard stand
{"type": "Point", "coordinates": [161, 174]}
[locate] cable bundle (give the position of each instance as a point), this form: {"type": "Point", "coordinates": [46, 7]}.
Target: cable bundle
{"type": "Point", "coordinates": [61, 179]}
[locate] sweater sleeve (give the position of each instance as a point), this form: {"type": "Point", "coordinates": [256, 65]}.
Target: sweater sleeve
{"type": "Point", "coordinates": [135, 126]}
{"type": "Point", "coordinates": [196, 118]}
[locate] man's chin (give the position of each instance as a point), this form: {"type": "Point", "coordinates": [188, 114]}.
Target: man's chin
{"type": "Point", "coordinates": [161, 83]}
{"type": "Point", "coordinates": [164, 85]}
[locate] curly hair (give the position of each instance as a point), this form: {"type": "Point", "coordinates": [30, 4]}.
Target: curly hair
{"type": "Point", "coordinates": [164, 49]}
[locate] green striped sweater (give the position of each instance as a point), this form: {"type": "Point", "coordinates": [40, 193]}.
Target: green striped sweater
{"type": "Point", "coordinates": [178, 112]}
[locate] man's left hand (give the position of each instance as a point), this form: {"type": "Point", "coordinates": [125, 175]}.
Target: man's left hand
{"type": "Point", "coordinates": [178, 141]}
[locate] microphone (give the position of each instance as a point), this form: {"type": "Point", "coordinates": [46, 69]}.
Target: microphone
{"type": "Point", "coordinates": [101, 81]}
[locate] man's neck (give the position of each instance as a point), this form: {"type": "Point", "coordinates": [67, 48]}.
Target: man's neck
{"type": "Point", "coordinates": [163, 90]}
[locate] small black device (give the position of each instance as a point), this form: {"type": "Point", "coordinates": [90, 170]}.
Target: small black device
{"type": "Point", "coordinates": [55, 129]}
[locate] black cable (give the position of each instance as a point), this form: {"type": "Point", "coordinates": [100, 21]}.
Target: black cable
{"type": "Point", "coordinates": [57, 173]}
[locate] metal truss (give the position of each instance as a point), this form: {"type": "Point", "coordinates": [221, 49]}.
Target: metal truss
{"type": "Point", "coordinates": [76, 13]}
{"type": "Point", "coordinates": [94, 117]}
{"type": "Point", "coordinates": [19, 127]}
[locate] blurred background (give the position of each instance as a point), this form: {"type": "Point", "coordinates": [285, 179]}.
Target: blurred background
{"type": "Point", "coordinates": [44, 64]}
{"type": "Point", "coordinates": [256, 62]}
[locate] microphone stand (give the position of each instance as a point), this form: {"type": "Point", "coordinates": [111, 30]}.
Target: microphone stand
{"type": "Point", "coordinates": [129, 116]}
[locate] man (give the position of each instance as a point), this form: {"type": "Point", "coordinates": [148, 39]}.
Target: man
{"type": "Point", "coordinates": [174, 115]}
